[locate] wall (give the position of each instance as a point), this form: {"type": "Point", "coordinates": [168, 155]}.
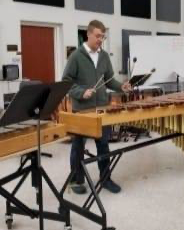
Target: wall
{"type": "Point", "coordinates": [163, 53]}
{"type": "Point", "coordinates": [66, 21]}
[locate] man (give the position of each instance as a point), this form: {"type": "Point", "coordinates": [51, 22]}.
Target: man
{"type": "Point", "coordinates": [87, 67]}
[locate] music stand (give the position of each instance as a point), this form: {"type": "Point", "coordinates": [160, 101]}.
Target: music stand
{"type": "Point", "coordinates": [138, 80]}
{"type": "Point", "coordinates": [57, 91]}
{"type": "Point", "coordinates": [24, 103]}
{"type": "Point", "coordinates": [34, 102]}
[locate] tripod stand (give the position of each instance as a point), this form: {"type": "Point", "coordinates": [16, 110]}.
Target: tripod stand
{"type": "Point", "coordinates": [41, 104]}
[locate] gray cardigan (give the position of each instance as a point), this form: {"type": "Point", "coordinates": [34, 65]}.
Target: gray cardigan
{"type": "Point", "coordinates": [81, 70]}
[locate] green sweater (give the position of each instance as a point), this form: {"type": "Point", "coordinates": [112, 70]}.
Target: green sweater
{"type": "Point", "coordinates": [81, 70]}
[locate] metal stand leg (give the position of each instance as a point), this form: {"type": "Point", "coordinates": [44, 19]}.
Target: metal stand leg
{"type": "Point", "coordinates": [40, 200]}
{"type": "Point", "coordinates": [8, 216]}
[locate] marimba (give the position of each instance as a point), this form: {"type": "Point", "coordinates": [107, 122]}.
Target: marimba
{"type": "Point", "coordinates": [158, 113]}
{"type": "Point", "coordinates": [150, 112]}
{"type": "Point", "coordinates": [21, 140]}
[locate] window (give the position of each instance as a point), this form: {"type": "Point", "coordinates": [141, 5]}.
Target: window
{"type": "Point", "coordinates": [136, 8]}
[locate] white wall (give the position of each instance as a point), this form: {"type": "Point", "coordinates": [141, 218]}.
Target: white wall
{"type": "Point", "coordinates": [163, 53]}
{"type": "Point", "coordinates": [12, 14]}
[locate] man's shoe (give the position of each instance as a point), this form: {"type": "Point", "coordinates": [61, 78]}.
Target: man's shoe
{"type": "Point", "coordinates": [111, 186]}
{"type": "Point", "coordinates": [78, 188]}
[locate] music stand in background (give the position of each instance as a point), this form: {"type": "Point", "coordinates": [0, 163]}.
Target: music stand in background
{"type": "Point", "coordinates": [33, 102]}
{"type": "Point", "coordinates": [138, 80]}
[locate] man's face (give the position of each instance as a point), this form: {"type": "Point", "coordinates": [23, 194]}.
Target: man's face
{"type": "Point", "coordinates": [95, 38]}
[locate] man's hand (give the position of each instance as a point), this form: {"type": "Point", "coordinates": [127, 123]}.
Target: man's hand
{"type": "Point", "coordinates": [126, 87]}
{"type": "Point", "coordinates": [88, 93]}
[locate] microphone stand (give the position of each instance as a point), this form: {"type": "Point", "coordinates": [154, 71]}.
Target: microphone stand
{"type": "Point", "coordinates": [177, 83]}
{"type": "Point", "coordinates": [128, 65]}
{"type": "Point", "coordinates": [133, 66]}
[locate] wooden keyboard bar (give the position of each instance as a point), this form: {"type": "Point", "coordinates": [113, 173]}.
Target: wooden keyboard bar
{"type": "Point", "coordinates": [141, 114]}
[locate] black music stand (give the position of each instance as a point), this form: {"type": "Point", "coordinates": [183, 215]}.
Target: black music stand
{"type": "Point", "coordinates": [33, 102]}
{"type": "Point", "coordinates": [35, 82]}
{"type": "Point", "coordinates": [24, 103]}
{"type": "Point", "coordinates": [138, 80]}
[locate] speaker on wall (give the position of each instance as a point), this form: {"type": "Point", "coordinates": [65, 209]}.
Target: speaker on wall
{"type": "Point", "coordinates": [136, 8]}
{"type": "Point", "coordinates": [59, 3]}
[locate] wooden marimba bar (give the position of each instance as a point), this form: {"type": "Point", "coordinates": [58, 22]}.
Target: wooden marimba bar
{"type": "Point", "coordinates": [173, 123]}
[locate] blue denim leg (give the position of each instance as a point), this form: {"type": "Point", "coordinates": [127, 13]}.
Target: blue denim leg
{"type": "Point", "coordinates": [76, 156]}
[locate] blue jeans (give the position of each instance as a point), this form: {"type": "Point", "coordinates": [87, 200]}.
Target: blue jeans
{"type": "Point", "coordinates": [77, 153]}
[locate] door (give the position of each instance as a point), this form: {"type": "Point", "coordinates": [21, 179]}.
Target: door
{"type": "Point", "coordinates": [38, 53]}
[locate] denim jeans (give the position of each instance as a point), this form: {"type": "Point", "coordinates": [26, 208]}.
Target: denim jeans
{"type": "Point", "coordinates": [77, 153]}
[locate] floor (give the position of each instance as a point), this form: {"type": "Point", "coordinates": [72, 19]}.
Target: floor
{"type": "Point", "coordinates": [152, 197]}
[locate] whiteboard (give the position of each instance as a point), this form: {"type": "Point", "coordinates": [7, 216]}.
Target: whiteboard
{"type": "Point", "coordinates": [164, 53]}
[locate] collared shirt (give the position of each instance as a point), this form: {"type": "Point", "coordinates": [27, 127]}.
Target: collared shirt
{"type": "Point", "coordinates": [93, 55]}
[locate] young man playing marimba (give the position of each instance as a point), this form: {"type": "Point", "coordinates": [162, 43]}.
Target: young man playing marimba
{"type": "Point", "coordinates": [90, 68]}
